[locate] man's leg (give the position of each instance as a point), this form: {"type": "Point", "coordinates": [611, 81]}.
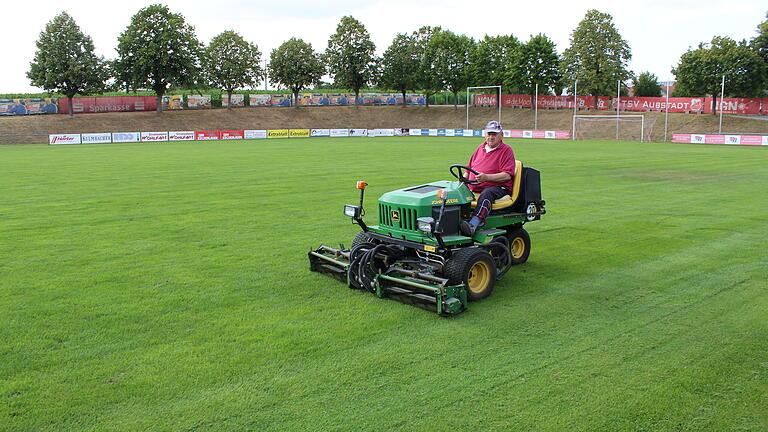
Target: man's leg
{"type": "Point", "coordinates": [484, 205]}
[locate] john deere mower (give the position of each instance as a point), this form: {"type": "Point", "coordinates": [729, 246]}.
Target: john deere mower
{"type": "Point", "coordinates": [417, 254]}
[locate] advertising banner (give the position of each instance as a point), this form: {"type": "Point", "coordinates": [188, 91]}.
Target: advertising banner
{"type": "Point", "coordinates": [544, 101]}
{"type": "Point", "coordinates": [298, 133]}
{"type": "Point", "coordinates": [277, 133]}
{"type": "Point", "coordinates": [414, 131]}
{"type": "Point", "coordinates": [402, 132]}
{"type": "Point", "coordinates": [431, 132]}
{"type": "Point", "coordinates": [232, 135]}
{"type": "Point", "coordinates": [736, 106]}
{"type": "Point", "coordinates": [277, 100]}
{"type": "Point", "coordinates": [255, 134]}
{"type": "Point", "coordinates": [29, 106]}
{"type": "Point", "coordinates": [96, 138]}
{"type": "Point", "coordinates": [238, 100]}
{"type": "Point", "coordinates": [64, 139]}
{"type": "Point", "coordinates": [93, 105]}
{"type": "Point", "coordinates": [320, 132]}
{"type": "Point", "coordinates": [539, 134]}
{"type": "Point", "coordinates": [676, 104]}
{"type": "Point", "coordinates": [721, 139]}
{"type": "Point", "coordinates": [259, 100]}
{"type": "Point", "coordinates": [207, 135]}
{"type": "Point", "coordinates": [199, 101]}
{"type": "Point", "coordinates": [358, 132]}
{"type": "Point", "coordinates": [172, 102]}
{"type": "Point", "coordinates": [181, 136]}
{"type": "Point", "coordinates": [336, 133]}
{"type": "Point", "coordinates": [126, 137]}
{"type": "Point", "coordinates": [381, 132]}
{"type": "Point", "coordinates": [154, 136]}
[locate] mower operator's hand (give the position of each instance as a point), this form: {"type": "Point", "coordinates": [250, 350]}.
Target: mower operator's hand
{"type": "Point", "coordinates": [482, 177]}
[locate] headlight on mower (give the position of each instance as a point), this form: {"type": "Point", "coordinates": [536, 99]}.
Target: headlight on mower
{"type": "Point", "coordinates": [425, 224]}
{"type": "Point", "coordinates": [352, 211]}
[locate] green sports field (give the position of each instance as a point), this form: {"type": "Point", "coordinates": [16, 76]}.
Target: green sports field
{"type": "Point", "coordinates": [165, 287]}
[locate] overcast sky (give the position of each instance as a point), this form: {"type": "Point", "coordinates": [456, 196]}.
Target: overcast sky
{"type": "Point", "coordinates": [658, 32]}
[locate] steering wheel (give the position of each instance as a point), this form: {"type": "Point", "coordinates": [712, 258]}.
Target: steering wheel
{"type": "Point", "coordinates": [458, 172]}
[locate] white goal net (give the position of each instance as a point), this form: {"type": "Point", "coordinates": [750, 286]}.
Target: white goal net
{"type": "Point", "coordinates": [611, 127]}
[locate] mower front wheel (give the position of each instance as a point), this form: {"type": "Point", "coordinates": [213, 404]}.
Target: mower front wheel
{"type": "Point", "coordinates": [474, 268]}
{"type": "Point", "coordinates": [360, 238]}
{"type": "Point", "coordinates": [519, 245]}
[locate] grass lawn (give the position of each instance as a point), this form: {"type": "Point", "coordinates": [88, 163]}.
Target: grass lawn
{"type": "Point", "coordinates": [165, 287]}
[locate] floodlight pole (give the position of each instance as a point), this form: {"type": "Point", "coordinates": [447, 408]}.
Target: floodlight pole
{"type": "Point", "coordinates": [666, 113]}
{"type": "Point", "coordinates": [536, 109]}
{"type": "Point", "coordinates": [722, 93]}
{"type": "Point", "coordinates": [573, 128]}
{"type": "Point", "coordinates": [618, 103]}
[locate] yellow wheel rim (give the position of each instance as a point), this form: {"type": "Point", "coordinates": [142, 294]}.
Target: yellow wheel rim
{"type": "Point", "coordinates": [479, 277]}
{"type": "Point", "coordinates": [518, 248]}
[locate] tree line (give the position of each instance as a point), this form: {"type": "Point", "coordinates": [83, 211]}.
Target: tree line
{"type": "Point", "coordinates": [160, 51]}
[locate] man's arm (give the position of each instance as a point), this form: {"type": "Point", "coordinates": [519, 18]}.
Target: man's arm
{"type": "Point", "coordinates": [493, 178]}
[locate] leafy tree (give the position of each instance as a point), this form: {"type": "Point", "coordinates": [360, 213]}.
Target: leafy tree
{"type": "Point", "coordinates": [158, 50]}
{"type": "Point", "coordinates": [427, 80]}
{"type": "Point", "coordinates": [760, 43]}
{"type": "Point", "coordinates": [350, 55]}
{"type": "Point", "coordinates": [647, 85]}
{"type": "Point", "coordinates": [597, 56]}
{"type": "Point", "coordinates": [541, 65]}
{"type": "Point", "coordinates": [65, 61]}
{"type": "Point", "coordinates": [700, 71]}
{"type": "Point", "coordinates": [400, 64]}
{"type": "Point", "coordinates": [496, 61]}
{"type": "Point", "coordinates": [295, 65]}
{"type": "Point", "coordinates": [452, 56]}
{"type": "Point", "coordinates": [232, 62]}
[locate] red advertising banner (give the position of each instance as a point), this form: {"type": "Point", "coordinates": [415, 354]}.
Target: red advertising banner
{"type": "Point", "coordinates": [545, 101]}
{"type": "Point", "coordinates": [676, 104]}
{"type": "Point", "coordinates": [232, 134]}
{"type": "Point", "coordinates": [738, 106]}
{"type": "Point", "coordinates": [89, 105]}
{"type": "Point", "coordinates": [207, 135]}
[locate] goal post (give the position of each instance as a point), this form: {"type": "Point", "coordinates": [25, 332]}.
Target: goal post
{"type": "Point", "coordinates": [498, 100]}
{"type": "Point", "coordinates": [609, 127]}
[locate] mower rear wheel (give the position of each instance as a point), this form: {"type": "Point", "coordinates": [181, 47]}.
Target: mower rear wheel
{"type": "Point", "coordinates": [519, 245]}
{"type": "Point", "coordinates": [475, 269]}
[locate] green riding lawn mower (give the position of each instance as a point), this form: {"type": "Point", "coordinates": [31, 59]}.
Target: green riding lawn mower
{"type": "Point", "coordinates": [417, 254]}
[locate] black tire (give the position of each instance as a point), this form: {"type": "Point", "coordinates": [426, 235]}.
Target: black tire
{"type": "Point", "coordinates": [361, 237]}
{"type": "Point", "coordinates": [475, 269]}
{"type": "Point", "coordinates": [519, 245]}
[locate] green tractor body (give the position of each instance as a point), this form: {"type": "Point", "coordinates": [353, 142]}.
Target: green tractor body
{"type": "Point", "coordinates": [417, 253]}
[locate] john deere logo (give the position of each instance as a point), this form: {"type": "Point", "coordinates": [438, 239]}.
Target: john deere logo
{"type": "Point", "coordinates": [395, 216]}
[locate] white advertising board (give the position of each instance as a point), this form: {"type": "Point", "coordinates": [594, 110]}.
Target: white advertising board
{"type": "Point", "coordinates": [96, 138]}
{"type": "Point", "coordinates": [125, 137]}
{"type": "Point", "coordinates": [358, 132]}
{"type": "Point", "coordinates": [255, 134]}
{"type": "Point", "coordinates": [181, 136]}
{"type": "Point", "coordinates": [339, 133]}
{"type": "Point", "coordinates": [320, 132]}
{"type": "Point", "coordinates": [64, 139]}
{"type": "Point", "coordinates": [154, 136]}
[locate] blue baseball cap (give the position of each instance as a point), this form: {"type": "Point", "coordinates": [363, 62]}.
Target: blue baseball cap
{"type": "Point", "coordinates": [492, 126]}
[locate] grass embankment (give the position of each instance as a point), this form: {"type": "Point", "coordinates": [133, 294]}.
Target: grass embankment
{"type": "Point", "coordinates": [166, 287]}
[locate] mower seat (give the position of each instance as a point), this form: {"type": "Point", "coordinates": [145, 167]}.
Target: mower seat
{"type": "Point", "coordinates": [506, 200]}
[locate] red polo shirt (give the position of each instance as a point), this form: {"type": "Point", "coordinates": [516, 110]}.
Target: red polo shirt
{"type": "Point", "coordinates": [500, 159]}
